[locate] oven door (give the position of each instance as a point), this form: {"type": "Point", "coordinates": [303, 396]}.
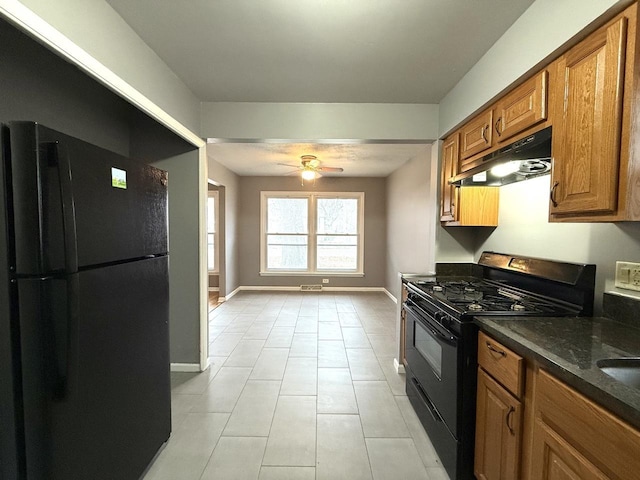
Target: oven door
{"type": "Point", "coordinates": [432, 356]}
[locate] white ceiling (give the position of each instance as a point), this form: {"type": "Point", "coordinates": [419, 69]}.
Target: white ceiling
{"type": "Point", "coordinates": [344, 51]}
{"type": "Point", "coordinates": [333, 51]}
{"type": "Point", "coordinates": [357, 160]}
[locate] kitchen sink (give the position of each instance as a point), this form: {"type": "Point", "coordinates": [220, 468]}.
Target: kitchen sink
{"type": "Point", "coordinates": [626, 369]}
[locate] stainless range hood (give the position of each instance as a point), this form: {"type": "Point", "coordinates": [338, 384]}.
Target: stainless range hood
{"type": "Point", "coordinates": [526, 158]}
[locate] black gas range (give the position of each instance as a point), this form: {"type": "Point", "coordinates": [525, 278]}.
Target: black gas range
{"type": "Point", "coordinates": [441, 338]}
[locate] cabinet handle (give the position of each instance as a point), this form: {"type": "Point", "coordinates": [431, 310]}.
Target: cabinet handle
{"type": "Point", "coordinates": [495, 350]}
{"type": "Point", "coordinates": [552, 194]}
{"type": "Point", "coordinates": [509, 414]}
{"type": "Point", "coordinates": [484, 133]}
{"type": "Point", "coordinates": [498, 126]}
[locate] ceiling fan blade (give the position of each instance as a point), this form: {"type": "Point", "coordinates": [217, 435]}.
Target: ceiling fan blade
{"type": "Point", "coordinates": [289, 165]}
{"type": "Point", "coordinates": [331, 169]}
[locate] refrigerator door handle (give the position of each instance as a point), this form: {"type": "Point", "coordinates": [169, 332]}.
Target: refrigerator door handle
{"type": "Point", "coordinates": [59, 158]}
{"type": "Point", "coordinates": [63, 341]}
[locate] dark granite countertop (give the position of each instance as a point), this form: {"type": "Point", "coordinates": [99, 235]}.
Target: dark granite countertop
{"type": "Point", "coordinates": [569, 349]}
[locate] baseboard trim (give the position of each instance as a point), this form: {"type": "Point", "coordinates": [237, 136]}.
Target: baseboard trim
{"type": "Point", "coordinates": [393, 299]}
{"type": "Point", "coordinates": [185, 367]}
{"type": "Point", "coordinates": [257, 288]}
{"type": "Point", "coordinates": [398, 366]}
{"type": "Point", "coordinates": [227, 297]}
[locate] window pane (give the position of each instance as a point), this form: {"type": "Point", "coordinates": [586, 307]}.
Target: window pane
{"type": "Point", "coordinates": [210, 262]}
{"type": "Point", "coordinates": [211, 215]}
{"type": "Point", "coordinates": [337, 257]}
{"type": "Point", "coordinates": [337, 240]}
{"type": "Point", "coordinates": [210, 252]}
{"type": "Point", "coordinates": [337, 215]}
{"type": "Point", "coordinates": [287, 252]}
{"type": "Point", "coordinates": [287, 215]}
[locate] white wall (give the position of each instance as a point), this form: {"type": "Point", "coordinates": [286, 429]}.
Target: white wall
{"type": "Point", "coordinates": [95, 27]}
{"type": "Point", "coordinates": [313, 121]}
{"type": "Point", "coordinates": [538, 33]}
{"type": "Point", "coordinates": [524, 229]}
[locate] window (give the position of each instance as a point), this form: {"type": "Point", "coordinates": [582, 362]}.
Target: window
{"type": "Point", "coordinates": [311, 233]}
{"type": "Point", "coordinates": [212, 229]}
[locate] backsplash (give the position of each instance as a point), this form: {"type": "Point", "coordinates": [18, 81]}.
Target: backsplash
{"type": "Point", "coordinates": [621, 308]}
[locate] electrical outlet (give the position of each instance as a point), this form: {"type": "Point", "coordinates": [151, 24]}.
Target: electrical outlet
{"type": "Point", "coordinates": [628, 275]}
{"type": "Point", "coordinates": [325, 280]}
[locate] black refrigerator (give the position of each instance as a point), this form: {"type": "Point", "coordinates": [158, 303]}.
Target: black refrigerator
{"type": "Point", "coordinates": [84, 299]}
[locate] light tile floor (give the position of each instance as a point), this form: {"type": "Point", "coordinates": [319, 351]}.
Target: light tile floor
{"type": "Point", "coordinates": [301, 386]}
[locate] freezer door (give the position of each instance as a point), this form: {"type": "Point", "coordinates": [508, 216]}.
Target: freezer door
{"type": "Point", "coordinates": [75, 205]}
{"type": "Point", "coordinates": [95, 369]}
{"type": "Point", "coordinates": [8, 440]}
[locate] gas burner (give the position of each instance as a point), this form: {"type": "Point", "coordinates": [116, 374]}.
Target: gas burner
{"type": "Point", "coordinates": [517, 307]}
{"type": "Point", "coordinates": [469, 289]}
{"type": "Point", "coordinates": [438, 288]}
{"type": "Point", "coordinates": [476, 307]}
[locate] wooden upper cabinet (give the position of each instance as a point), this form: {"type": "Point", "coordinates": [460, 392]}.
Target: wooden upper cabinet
{"type": "Point", "coordinates": [498, 431]}
{"type": "Point", "coordinates": [450, 152]}
{"type": "Point", "coordinates": [587, 123]}
{"type": "Point", "coordinates": [522, 108]}
{"type": "Point", "coordinates": [477, 206]}
{"type": "Point", "coordinates": [476, 136]}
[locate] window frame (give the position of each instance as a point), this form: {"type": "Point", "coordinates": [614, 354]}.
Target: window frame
{"type": "Point", "coordinates": [216, 239]}
{"type": "Point", "coordinates": [312, 234]}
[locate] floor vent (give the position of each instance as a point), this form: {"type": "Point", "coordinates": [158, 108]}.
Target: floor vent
{"type": "Point", "coordinates": [311, 288]}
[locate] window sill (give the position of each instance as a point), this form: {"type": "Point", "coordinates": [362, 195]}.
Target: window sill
{"type": "Point", "coordinates": [312, 274]}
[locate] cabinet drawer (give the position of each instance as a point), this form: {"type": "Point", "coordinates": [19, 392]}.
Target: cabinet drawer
{"type": "Point", "coordinates": [501, 363]}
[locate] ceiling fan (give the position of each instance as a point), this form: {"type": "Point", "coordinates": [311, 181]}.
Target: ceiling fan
{"type": "Point", "coordinates": [310, 168]}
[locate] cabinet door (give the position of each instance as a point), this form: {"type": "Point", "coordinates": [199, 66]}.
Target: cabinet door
{"type": "Point", "coordinates": [450, 149]}
{"type": "Point", "coordinates": [555, 459]}
{"type": "Point", "coordinates": [574, 438]}
{"type": "Point", "coordinates": [476, 136]}
{"type": "Point", "coordinates": [587, 127]}
{"type": "Point", "coordinates": [498, 420]}
{"type": "Point", "coordinates": [477, 206]}
{"type": "Point", "coordinates": [522, 108]}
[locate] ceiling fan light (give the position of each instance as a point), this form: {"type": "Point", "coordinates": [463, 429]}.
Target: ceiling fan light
{"type": "Point", "coordinates": [308, 174]}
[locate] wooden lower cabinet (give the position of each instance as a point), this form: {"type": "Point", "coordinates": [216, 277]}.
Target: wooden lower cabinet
{"type": "Point", "coordinates": [549, 432]}
{"type": "Point", "coordinates": [574, 438]}
{"type": "Point", "coordinates": [498, 431]}
{"type": "Point", "coordinates": [556, 459]}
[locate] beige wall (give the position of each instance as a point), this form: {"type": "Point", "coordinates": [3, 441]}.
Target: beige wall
{"type": "Point", "coordinates": [95, 27]}
{"type": "Point", "coordinates": [523, 226]}
{"type": "Point", "coordinates": [410, 220]}
{"type": "Point", "coordinates": [374, 229]}
{"type": "Point", "coordinates": [312, 121]}
{"type": "Point", "coordinates": [228, 183]}
{"type": "Point", "coordinates": [544, 27]}
{"type": "Point", "coordinates": [524, 229]}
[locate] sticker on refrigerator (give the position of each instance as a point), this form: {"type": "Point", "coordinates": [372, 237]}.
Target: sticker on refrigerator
{"type": "Point", "coordinates": [118, 178]}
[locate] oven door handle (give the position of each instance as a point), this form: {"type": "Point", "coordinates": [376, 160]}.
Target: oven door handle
{"type": "Point", "coordinates": [425, 322]}
{"type": "Point", "coordinates": [429, 404]}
